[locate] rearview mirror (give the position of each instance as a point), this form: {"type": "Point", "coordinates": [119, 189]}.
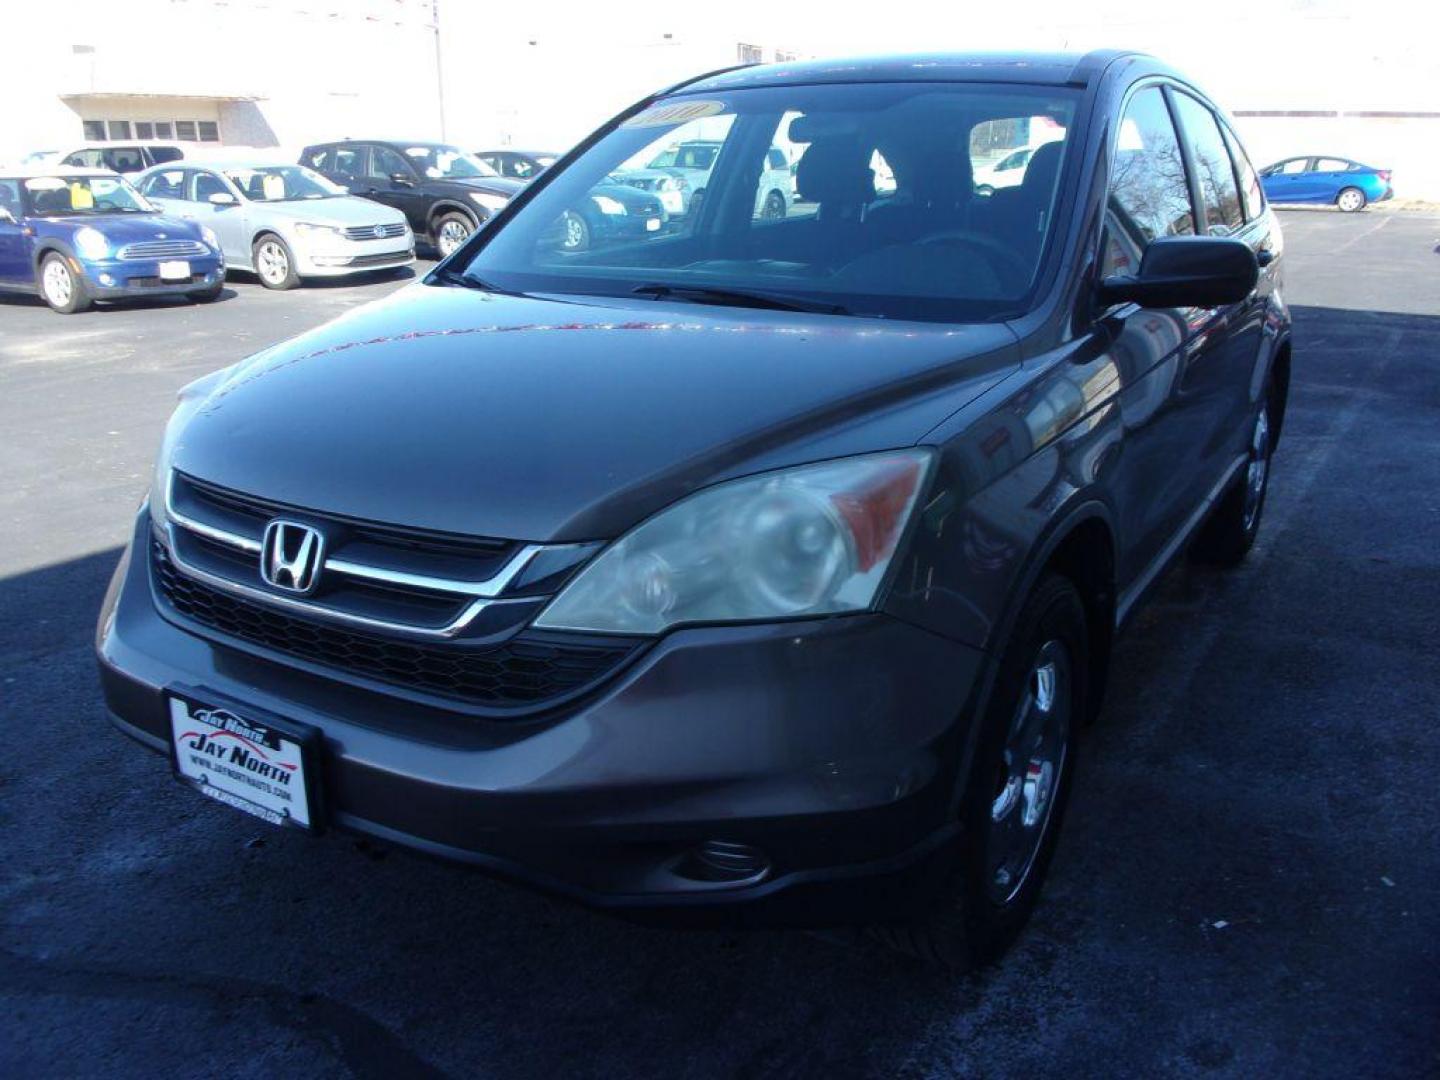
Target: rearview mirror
{"type": "Point", "coordinates": [1186, 271]}
{"type": "Point", "coordinates": [403, 179]}
{"type": "Point", "coordinates": [222, 198]}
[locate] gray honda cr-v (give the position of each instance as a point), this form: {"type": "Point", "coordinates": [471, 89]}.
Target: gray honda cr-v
{"type": "Point", "coordinates": [751, 567]}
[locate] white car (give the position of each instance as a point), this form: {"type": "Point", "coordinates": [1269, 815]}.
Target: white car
{"type": "Point", "coordinates": [1009, 171]}
{"type": "Point", "coordinates": [680, 173]}
{"type": "Point", "coordinates": [282, 222]}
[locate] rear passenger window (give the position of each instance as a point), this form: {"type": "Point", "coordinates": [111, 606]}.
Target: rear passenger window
{"type": "Point", "coordinates": [1330, 164]}
{"type": "Point", "coordinates": [1219, 194]}
{"type": "Point", "coordinates": [169, 184]}
{"type": "Point", "coordinates": [1249, 182]}
{"type": "Point", "coordinates": [349, 161]}
{"type": "Point", "coordinates": [1149, 195]}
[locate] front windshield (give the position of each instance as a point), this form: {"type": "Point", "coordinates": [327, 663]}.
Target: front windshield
{"type": "Point", "coordinates": [856, 199]}
{"type": "Point", "coordinates": [57, 196]}
{"type": "Point", "coordinates": [282, 183]}
{"type": "Point", "coordinates": [446, 162]}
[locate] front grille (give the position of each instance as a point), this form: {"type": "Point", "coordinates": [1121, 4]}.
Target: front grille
{"type": "Point", "coordinates": [164, 249]}
{"type": "Point", "coordinates": [380, 258]}
{"type": "Point", "coordinates": [374, 232]}
{"type": "Point", "coordinates": [156, 282]}
{"type": "Point", "coordinates": [517, 674]}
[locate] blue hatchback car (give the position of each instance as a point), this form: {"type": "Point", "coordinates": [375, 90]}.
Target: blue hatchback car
{"type": "Point", "coordinates": [80, 235]}
{"type": "Point", "coordinates": [1329, 180]}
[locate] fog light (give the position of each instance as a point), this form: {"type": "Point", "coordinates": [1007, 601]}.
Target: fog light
{"type": "Point", "coordinates": [106, 279]}
{"type": "Point", "coordinates": [725, 861]}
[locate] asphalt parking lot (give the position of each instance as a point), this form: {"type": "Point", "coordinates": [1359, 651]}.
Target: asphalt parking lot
{"type": "Point", "coordinates": [1248, 884]}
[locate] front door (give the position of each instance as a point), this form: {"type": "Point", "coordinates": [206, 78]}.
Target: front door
{"type": "Point", "coordinates": [391, 180]}
{"type": "Point", "coordinates": [230, 221]}
{"type": "Point", "coordinates": [15, 266]}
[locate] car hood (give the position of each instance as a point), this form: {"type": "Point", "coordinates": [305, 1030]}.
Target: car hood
{"type": "Point", "coordinates": [495, 185]}
{"type": "Point", "coordinates": [123, 228]}
{"type": "Point", "coordinates": [342, 210]}
{"type": "Point", "coordinates": [559, 420]}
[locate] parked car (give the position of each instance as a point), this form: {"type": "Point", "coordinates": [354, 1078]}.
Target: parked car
{"type": "Point", "coordinates": [121, 157]}
{"type": "Point", "coordinates": [75, 236]}
{"type": "Point", "coordinates": [1330, 180]}
{"type": "Point", "coordinates": [608, 213]}
{"type": "Point", "coordinates": [759, 572]}
{"type": "Point", "coordinates": [518, 164]}
{"type": "Point", "coordinates": [444, 192]}
{"type": "Point", "coordinates": [680, 175]}
{"type": "Point", "coordinates": [1008, 171]}
{"type": "Point", "coordinates": [282, 222]}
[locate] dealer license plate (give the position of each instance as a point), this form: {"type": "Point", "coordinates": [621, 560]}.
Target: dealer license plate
{"type": "Point", "coordinates": [175, 270]}
{"type": "Point", "coordinates": [252, 764]}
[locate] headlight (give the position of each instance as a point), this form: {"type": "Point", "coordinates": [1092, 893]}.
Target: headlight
{"type": "Point", "coordinates": [311, 230]}
{"type": "Point", "coordinates": [91, 243]}
{"type": "Point", "coordinates": [490, 202]}
{"type": "Point", "coordinates": [608, 205]}
{"type": "Point", "coordinates": [208, 235]}
{"type": "Point", "coordinates": [808, 541]}
{"type": "Point", "coordinates": [191, 396]}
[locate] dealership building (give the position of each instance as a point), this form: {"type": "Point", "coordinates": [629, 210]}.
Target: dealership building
{"type": "Point", "coordinates": [1301, 76]}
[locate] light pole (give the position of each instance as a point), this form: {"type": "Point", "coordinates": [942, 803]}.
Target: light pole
{"type": "Point", "coordinates": [439, 68]}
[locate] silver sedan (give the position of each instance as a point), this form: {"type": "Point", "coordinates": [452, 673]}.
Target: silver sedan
{"type": "Point", "coordinates": [282, 222]}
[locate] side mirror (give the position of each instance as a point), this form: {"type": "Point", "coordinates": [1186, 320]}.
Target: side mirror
{"type": "Point", "coordinates": [1186, 271]}
{"type": "Point", "coordinates": [400, 179]}
{"type": "Point", "coordinates": [6, 216]}
{"type": "Point", "coordinates": [222, 198]}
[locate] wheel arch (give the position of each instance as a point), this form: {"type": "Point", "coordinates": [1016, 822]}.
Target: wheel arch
{"type": "Point", "coordinates": [441, 207]}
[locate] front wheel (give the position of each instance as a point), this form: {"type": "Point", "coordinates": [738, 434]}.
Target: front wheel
{"type": "Point", "coordinates": [451, 230]}
{"type": "Point", "coordinates": [61, 287]}
{"type": "Point", "coordinates": [274, 265]}
{"type": "Point", "coordinates": [1016, 792]}
{"type": "Point", "coordinates": [1351, 200]}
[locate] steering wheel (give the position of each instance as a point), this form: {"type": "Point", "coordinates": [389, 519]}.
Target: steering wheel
{"type": "Point", "coordinates": [1014, 272]}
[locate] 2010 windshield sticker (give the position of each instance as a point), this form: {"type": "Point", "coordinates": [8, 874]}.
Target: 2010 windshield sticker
{"type": "Point", "coordinates": [675, 112]}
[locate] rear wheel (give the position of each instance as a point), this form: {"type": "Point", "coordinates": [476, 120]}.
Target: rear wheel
{"type": "Point", "coordinates": [1350, 200]}
{"type": "Point", "coordinates": [774, 207]}
{"type": "Point", "coordinates": [451, 230]}
{"type": "Point", "coordinates": [60, 286]}
{"type": "Point", "coordinates": [1228, 536]}
{"type": "Point", "coordinates": [1017, 788]}
{"type": "Point", "coordinates": [274, 265]}
{"type": "Point", "coordinates": [575, 233]}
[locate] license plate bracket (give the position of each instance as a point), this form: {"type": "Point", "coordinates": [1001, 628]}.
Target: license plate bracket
{"type": "Point", "coordinates": [245, 757]}
{"type": "Point", "coordinates": [175, 270]}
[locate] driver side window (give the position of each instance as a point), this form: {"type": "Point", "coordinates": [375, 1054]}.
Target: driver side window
{"type": "Point", "coordinates": [385, 163]}
{"type": "Point", "coordinates": [1149, 191]}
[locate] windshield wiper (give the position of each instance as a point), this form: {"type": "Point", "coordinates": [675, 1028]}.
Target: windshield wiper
{"type": "Point", "coordinates": [704, 294]}
{"type": "Point", "coordinates": [466, 281]}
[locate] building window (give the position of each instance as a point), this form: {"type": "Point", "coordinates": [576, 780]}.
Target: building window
{"type": "Point", "coordinates": [163, 130]}
{"type": "Point", "coordinates": [119, 129]}
{"type": "Point", "coordinates": [144, 129]}
{"type": "Point", "coordinates": [185, 130]}
{"type": "Point", "coordinates": [94, 130]}
{"type": "Point", "coordinates": [749, 54]}
{"type": "Point", "coordinates": [209, 131]}
{"type": "Point", "coordinates": [783, 57]}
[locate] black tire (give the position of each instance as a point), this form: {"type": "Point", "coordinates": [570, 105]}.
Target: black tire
{"type": "Point", "coordinates": [450, 231]}
{"type": "Point", "coordinates": [1351, 200]}
{"type": "Point", "coordinates": [774, 208]}
{"type": "Point", "coordinates": [60, 286]}
{"type": "Point", "coordinates": [696, 202]}
{"type": "Point", "coordinates": [1229, 534]}
{"type": "Point", "coordinates": [574, 232]}
{"type": "Point", "coordinates": [976, 914]}
{"type": "Point", "coordinates": [205, 296]}
{"type": "Point", "coordinates": [274, 263]}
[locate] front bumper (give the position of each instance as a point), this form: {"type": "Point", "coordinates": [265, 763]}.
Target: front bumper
{"type": "Point", "coordinates": [341, 257]}
{"type": "Point", "coordinates": [830, 746]}
{"type": "Point", "coordinates": [120, 279]}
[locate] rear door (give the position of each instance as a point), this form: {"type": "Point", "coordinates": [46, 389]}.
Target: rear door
{"type": "Point", "coordinates": [1285, 181]}
{"type": "Point", "coordinates": [1329, 175]}
{"type": "Point", "coordinates": [392, 180]}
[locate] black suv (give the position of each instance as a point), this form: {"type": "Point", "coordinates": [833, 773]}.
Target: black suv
{"type": "Point", "coordinates": [752, 568]}
{"type": "Point", "coordinates": [445, 192]}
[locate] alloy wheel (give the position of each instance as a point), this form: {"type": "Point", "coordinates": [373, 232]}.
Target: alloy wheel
{"type": "Point", "coordinates": [1258, 469]}
{"type": "Point", "coordinates": [59, 286]}
{"type": "Point", "coordinates": [1036, 750]}
{"type": "Point", "coordinates": [452, 235]}
{"type": "Point", "coordinates": [271, 262]}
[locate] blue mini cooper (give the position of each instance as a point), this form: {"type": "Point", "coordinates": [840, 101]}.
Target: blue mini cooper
{"type": "Point", "coordinates": [76, 236]}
